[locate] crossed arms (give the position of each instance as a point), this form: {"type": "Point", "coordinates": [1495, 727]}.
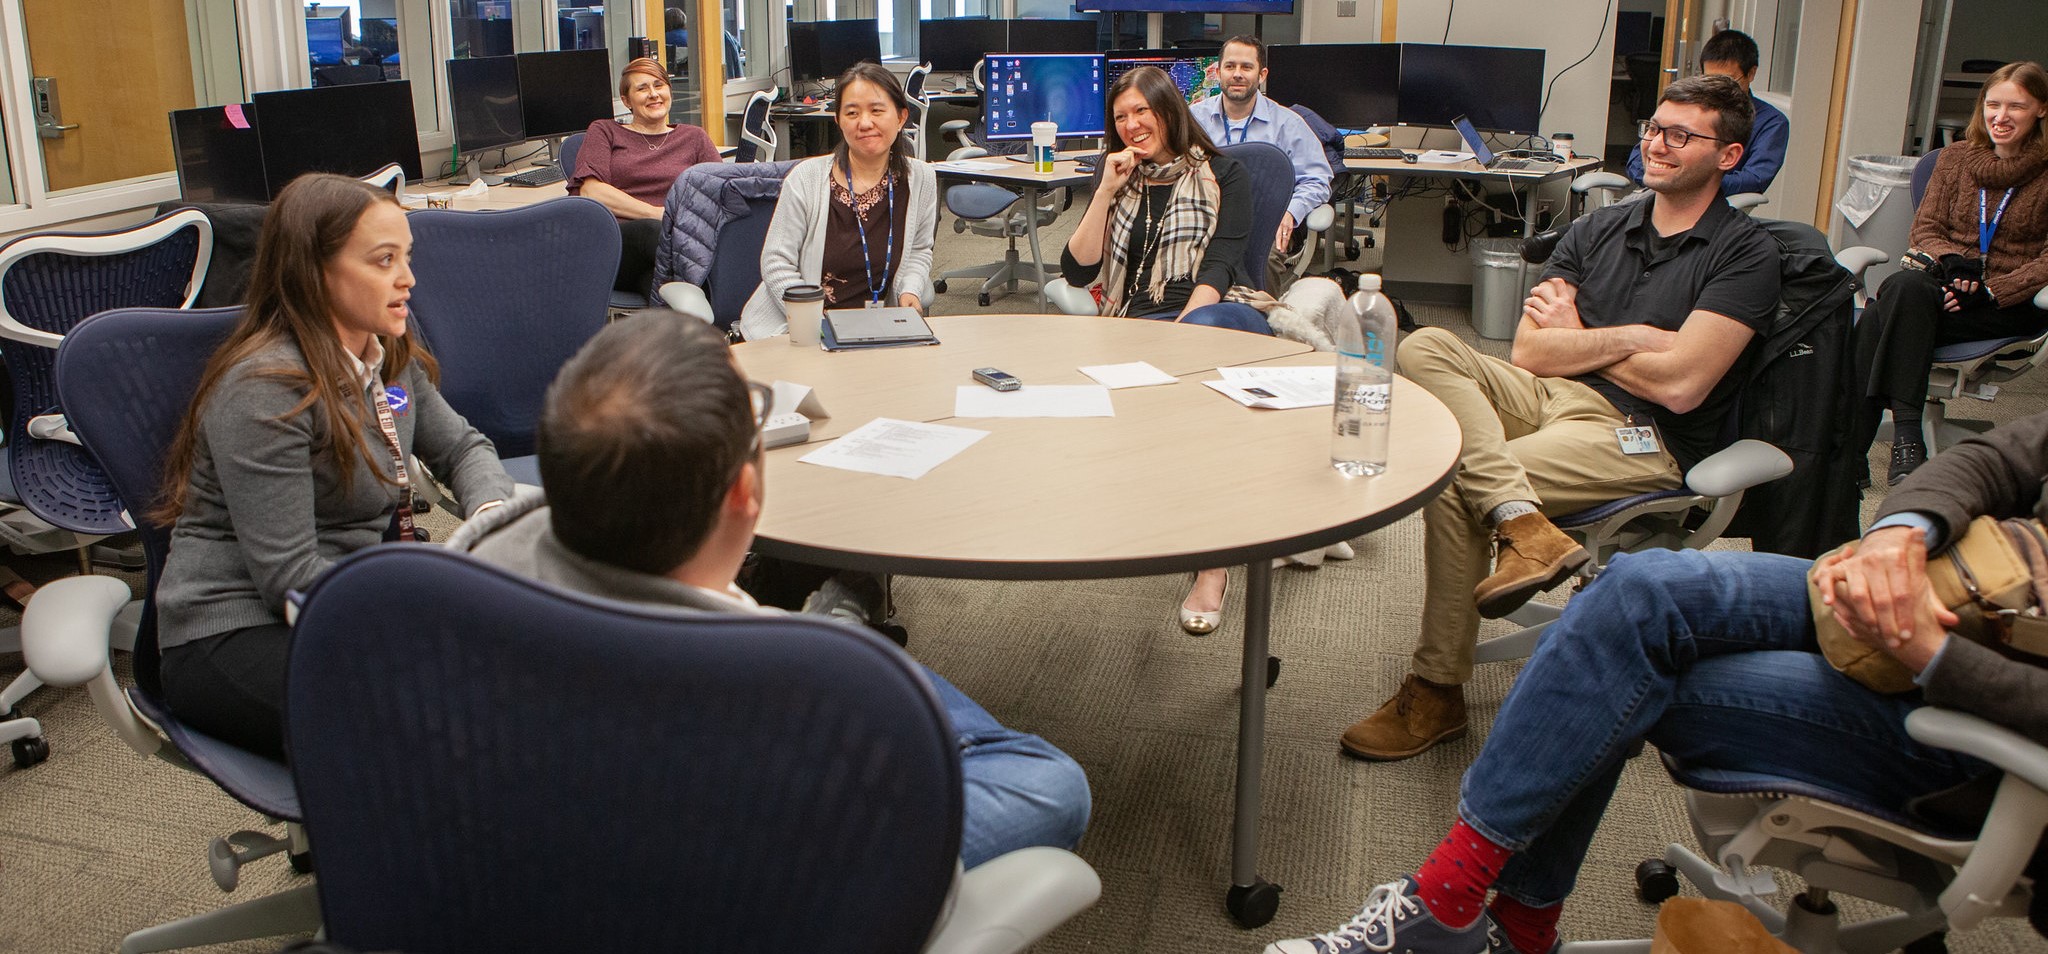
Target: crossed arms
{"type": "Point", "coordinates": [1674, 369]}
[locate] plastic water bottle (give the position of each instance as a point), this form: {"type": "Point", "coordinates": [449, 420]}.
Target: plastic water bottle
{"type": "Point", "coordinates": [1365, 383]}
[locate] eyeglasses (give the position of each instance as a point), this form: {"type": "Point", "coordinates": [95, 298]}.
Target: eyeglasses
{"type": "Point", "coordinates": [763, 397]}
{"type": "Point", "coordinates": [1674, 137]}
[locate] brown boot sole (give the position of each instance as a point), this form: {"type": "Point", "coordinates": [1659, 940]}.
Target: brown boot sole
{"type": "Point", "coordinates": [1448, 735]}
{"type": "Point", "coordinates": [1501, 602]}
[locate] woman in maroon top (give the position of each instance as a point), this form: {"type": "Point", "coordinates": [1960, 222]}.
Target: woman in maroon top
{"type": "Point", "coordinates": [628, 167]}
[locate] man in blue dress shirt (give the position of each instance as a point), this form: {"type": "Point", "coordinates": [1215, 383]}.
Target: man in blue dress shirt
{"type": "Point", "coordinates": [1242, 114]}
{"type": "Point", "coordinates": [1733, 54]}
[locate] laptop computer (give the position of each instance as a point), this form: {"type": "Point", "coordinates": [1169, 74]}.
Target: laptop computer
{"type": "Point", "coordinates": [1486, 156]}
{"type": "Point", "coordinates": [875, 326]}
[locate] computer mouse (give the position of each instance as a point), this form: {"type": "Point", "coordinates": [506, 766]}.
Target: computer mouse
{"type": "Point", "coordinates": [1409, 158]}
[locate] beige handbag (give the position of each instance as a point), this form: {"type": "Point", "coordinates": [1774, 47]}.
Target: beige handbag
{"type": "Point", "coordinates": [1995, 579]}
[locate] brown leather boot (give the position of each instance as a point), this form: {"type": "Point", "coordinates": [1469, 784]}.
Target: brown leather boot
{"type": "Point", "coordinates": [1530, 555]}
{"type": "Point", "coordinates": [1419, 716]}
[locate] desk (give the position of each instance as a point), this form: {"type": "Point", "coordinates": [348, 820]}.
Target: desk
{"type": "Point", "coordinates": [1019, 175]}
{"type": "Point", "coordinates": [1472, 170]}
{"type": "Point", "coordinates": [1087, 498]}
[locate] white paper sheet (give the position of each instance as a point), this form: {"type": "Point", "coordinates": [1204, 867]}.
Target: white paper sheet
{"type": "Point", "coordinates": [972, 165]}
{"type": "Point", "coordinates": [1033, 400]}
{"type": "Point", "coordinates": [1278, 388]}
{"type": "Point", "coordinates": [894, 448]}
{"type": "Point", "coordinates": [1136, 374]}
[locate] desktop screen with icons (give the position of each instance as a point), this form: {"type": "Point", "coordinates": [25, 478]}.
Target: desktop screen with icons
{"type": "Point", "coordinates": [1065, 88]}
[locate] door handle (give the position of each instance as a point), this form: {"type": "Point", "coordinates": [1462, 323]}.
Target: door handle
{"type": "Point", "coordinates": [53, 130]}
{"type": "Point", "coordinates": [49, 120]}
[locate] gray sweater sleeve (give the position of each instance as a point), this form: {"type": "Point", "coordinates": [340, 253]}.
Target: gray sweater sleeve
{"type": "Point", "coordinates": [1973, 679]}
{"type": "Point", "coordinates": [263, 457]}
{"type": "Point", "coordinates": [457, 453]}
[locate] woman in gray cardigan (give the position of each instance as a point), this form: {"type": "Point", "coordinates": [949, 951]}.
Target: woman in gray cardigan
{"type": "Point", "coordinates": [858, 222]}
{"type": "Point", "coordinates": [296, 451]}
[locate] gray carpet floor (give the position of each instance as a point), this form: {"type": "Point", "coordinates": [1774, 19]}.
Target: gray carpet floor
{"type": "Point", "coordinates": [97, 842]}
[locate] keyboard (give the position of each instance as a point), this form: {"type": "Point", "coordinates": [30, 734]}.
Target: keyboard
{"type": "Point", "coordinates": [1371, 152]}
{"type": "Point", "coordinates": [544, 175]}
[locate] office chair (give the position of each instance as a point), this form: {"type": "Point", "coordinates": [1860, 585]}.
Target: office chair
{"type": "Point", "coordinates": [126, 378]}
{"type": "Point", "coordinates": [993, 211]}
{"type": "Point", "coordinates": [56, 496]}
{"type": "Point", "coordinates": [504, 298]}
{"type": "Point", "coordinates": [757, 134]}
{"type": "Point", "coordinates": [508, 769]}
{"type": "Point", "coordinates": [920, 108]}
{"type": "Point", "coordinates": [1939, 876]}
{"type": "Point", "coordinates": [617, 302]}
{"type": "Point", "coordinates": [571, 145]}
{"type": "Point", "coordinates": [1271, 174]}
{"type": "Point", "coordinates": [391, 178]}
{"type": "Point", "coordinates": [713, 225]}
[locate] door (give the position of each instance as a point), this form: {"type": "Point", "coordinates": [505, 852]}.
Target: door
{"type": "Point", "coordinates": [101, 95]}
{"type": "Point", "coordinates": [1683, 33]}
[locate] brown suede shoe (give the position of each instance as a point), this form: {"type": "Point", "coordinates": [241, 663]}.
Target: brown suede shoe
{"type": "Point", "coordinates": [1419, 716]}
{"type": "Point", "coordinates": [1530, 555]}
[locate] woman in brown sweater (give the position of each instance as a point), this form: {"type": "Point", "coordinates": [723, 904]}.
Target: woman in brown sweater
{"type": "Point", "coordinates": [1980, 252]}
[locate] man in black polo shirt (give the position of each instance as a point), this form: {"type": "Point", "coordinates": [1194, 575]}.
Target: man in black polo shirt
{"type": "Point", "coordinates": [1622, 377]}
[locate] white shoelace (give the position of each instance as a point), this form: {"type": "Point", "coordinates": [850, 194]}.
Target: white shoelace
{"type": "Point", "coordinates": [1385, 906]}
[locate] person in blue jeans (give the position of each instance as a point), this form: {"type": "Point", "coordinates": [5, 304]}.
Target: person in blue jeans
{"type": "Point", "coordinates": [650, 449]}
{"type": "Point", "coordinates": [1712, 657]}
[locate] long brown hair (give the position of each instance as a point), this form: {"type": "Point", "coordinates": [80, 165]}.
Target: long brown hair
{"type": "Point", "coordinates": [1175, 123]}
{"type": "Point", "coordinates": [2028, 76]}
{"type": "Point", "coordinates": [287, 300]}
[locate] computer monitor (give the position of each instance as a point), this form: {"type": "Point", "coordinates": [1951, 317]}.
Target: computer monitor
{"type": "Point", "coordinates": [326, 40]}
{"type": "Point", "coordinates": [1193, 73]}
{"type": "Point", "coordinates": [821, 50]}
{"type": "Point", "coordinates": [564, 91]}
{"type": "Point", "coordinates": [1500, 88]}
{"type": "Point", "coordinates": [350, 130]}
{"type": "Point", "coordinates": [348, 74]}
{"type": "Point", "coordinates": [1186, 6]}
{"type": "Point", "coordinates": [1052, 36]}
{"type": "Point", "coordinates": [220, 159]}
{"type": "Point", "coordinates": [483, 95]}
{"type": "Point", "coordinates": [476, 37]}
{"type": "Point", "coordinates": [954, 46]}
{"type": "Point", "coordinates": [1024, 88]}
{"type": "Point", "coordinates": [380, 39]}
{"type": "Point", "coordinates": [1632, 32]}
{"type": "Point", "coordinates": [1350, 85]}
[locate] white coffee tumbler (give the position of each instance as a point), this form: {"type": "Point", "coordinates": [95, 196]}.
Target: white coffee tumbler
{"type": "Point", "coordinates": [1043, 136]}
{"type": "Point", "coordinates": [805, 306]}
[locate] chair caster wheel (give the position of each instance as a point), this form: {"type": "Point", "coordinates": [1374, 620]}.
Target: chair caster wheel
{"type": "Point", "coordinates": [939, 286]}
{"type": "Point", "coordinates": [982, 299]}
{"type": "Point", "coordinates": [29, 752]}
{"type": "Point", "coordinates": [1656, 882]}
{"type": "Point", "coordinates": [1352, 250]}
{"type": "Point", "coordinates": [302, 862]}
{"type": "Point", "coordinates": [1272, 670]}
{"type": "Point", "coordinates": [1936, 943]}
{"type": "Point", "coordinates": [1253, 905]}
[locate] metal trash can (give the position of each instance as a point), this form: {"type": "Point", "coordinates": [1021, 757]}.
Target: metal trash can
{"type": "Point", "coordinates": [1877, 209]}
{"type": "Point", "coordinates": [1500, 281]}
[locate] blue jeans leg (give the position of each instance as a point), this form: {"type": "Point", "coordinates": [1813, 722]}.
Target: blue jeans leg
{"type": "Point", "coordinates": [1235, 315]}
{"type": "Point", "coordinates": [1021, 790]}
{"type": "Point", "coordinates": [1712, 657]}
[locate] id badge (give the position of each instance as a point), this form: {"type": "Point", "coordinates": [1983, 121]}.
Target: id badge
{"type": "Point", "coordinates": [873, 303]}
{"type": "Point", "coordinates": [1636, 441]}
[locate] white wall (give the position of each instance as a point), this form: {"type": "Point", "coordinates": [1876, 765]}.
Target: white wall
{"type": "Point", "coordinates": [1880, 88]}
{"type": "Point", "coordinates": [1321, 21]}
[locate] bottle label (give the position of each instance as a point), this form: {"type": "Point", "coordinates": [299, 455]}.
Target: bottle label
{"type": "Point", "coordinates": [1375, 349]}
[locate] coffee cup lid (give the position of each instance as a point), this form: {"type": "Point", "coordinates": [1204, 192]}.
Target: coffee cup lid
{"type": "Point", "coordinates": [803, 293]}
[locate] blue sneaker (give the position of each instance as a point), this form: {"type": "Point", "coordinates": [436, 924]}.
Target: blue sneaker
{"type": "Point", "coordinates": [1393, 921]}
{"type": "Point", "coordinates": [1497, 940]}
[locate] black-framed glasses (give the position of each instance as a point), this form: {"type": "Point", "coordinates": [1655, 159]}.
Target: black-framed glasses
{"type": "Point", "coordinates": [1674, 137]}
{"type": "Point", "coordinates": [763, 397]}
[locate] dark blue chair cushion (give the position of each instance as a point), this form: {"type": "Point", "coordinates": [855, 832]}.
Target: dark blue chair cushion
{"type": "Point", "coordinates": [1721, 781]}
{"type": "Point", "coordinates": [1271, 175]}
{"type": "Point", "coordinates": [1593, 515]}
{"type": "Point", "coordinates": [1972, 350]}
{"type": "Point", "coordinates": [570, 147]}
{"type": "Point", "coordinates": [977, 200]}
{"type": "Point", "coordinates": [255, 781]}
{"type": "Point", "coordinates": [736, 264]}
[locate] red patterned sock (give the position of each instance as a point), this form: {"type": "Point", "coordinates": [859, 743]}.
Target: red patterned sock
{"type": "Point", "coordinates": [1530, 930]}
{"type": "Point", "coordinates": [1453, 882]}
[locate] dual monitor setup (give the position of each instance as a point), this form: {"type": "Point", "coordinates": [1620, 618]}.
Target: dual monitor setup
{"type": "Point", "coordinates": [246, 152]}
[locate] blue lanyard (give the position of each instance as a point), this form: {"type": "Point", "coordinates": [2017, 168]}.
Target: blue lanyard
{"type": "Point", "coordinates": [1244, 132]}
{"type": "Point", "coordinates": [1986, 228]}
{"type": "Point", "coordinates": [867, 268]}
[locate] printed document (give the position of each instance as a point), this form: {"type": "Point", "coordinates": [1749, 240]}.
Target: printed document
{"type": "Point", "coordinates": [1136, 374]}
{"type": "Point", "coordinates": [1033, 400]}
{"type": "Point", "coordinates": [894, 448]}
{"type": "Point", "coordinates": [1278, 388]}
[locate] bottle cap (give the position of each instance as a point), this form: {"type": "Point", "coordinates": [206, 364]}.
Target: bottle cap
{"type": "Point", "coordinates": [1369, 282]}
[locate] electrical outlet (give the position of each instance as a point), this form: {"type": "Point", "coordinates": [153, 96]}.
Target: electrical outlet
{"type": "Point", "coordinates": [1347, 8]}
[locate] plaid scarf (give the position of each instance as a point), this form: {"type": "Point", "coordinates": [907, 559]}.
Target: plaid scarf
{"type": "Point", "coordinates": [1177, 239]}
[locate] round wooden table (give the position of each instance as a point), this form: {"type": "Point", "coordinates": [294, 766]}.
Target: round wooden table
{"type": "Point", "coordinates": [1180, 479]}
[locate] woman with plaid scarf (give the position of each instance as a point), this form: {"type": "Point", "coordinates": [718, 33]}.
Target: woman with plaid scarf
{"type": "Point", "coordinates": [1165, 236]}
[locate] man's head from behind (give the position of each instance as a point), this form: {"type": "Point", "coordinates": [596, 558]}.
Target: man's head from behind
{"type": "Point", "coordinates": [1730, 53]}
{"type": "Point", "coordinates": [1697, 134]}
{"type": "Point", "coordinates": [643, 443]}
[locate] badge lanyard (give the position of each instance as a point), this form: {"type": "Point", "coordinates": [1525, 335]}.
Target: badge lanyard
{"type": "Point", "coordinates": [389, 427]}
{"type": "Point", "coordinates": [867, 267]}
{"type": "Point", "coordinates": [1986, 228]}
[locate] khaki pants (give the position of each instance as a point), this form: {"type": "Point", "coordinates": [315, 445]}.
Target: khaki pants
{"type": "Point", "coordinates": [1546, 440]}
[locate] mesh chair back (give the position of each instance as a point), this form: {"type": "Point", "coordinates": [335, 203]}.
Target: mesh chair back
{"type": "Point", "coordinates": [510, 767]}
{"type": "Point", "coordinates": [1923, 170]}
{"type": "Point", "coordinates": [504, 298]}
{"type": "Point", "coordinates": [757, 135]}
{"type": "Point", "coordinates": [1271, 174]}
{"type": "Point", "coordinates": [126, 378]}
{"type": "Point", "coordinates": [570, 147]}
{"type": "Point", "coordinates": [48, 284]}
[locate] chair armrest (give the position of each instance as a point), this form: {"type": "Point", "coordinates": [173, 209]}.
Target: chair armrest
{"type": "Point", "coordinates": [1008, 903]}
{"type": "Point", "coordinates": [1960, 732]}
{"type": "Point", "coordinates": [2041, 299]}
{"type": "Point", "coordinates": [1739, 466]}
{"type": "Point", "coordinates": [64, 631]}
{"type": "Point", "coordinates": [952, 124]}
{"type": "Point", "coordinates": [51, 427]}
{"type": "Point", "coordinates": [1858, 258]}
{"type": "Point", "coordinates": [1745, 201]}
{"type": "Point", "coordinates": [1320, 217]}
{"type": "Point", "coordinates": [687, 299]}
{"type": "Point", "coordinates": [1599, 180]}
{"type": "Point", "coordinates": [1068, 299]}
{"type": "Point", "coordinates": [966, 152]}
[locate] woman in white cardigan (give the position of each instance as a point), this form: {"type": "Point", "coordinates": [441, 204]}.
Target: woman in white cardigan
{"type": "Point", "coordinates": [858, 222]}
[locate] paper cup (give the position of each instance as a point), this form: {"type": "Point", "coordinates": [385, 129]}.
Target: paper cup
{"type": "Point", "coordinates": [1043, 136]}
{"type": "Point", "coordinates": [805, 307]}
